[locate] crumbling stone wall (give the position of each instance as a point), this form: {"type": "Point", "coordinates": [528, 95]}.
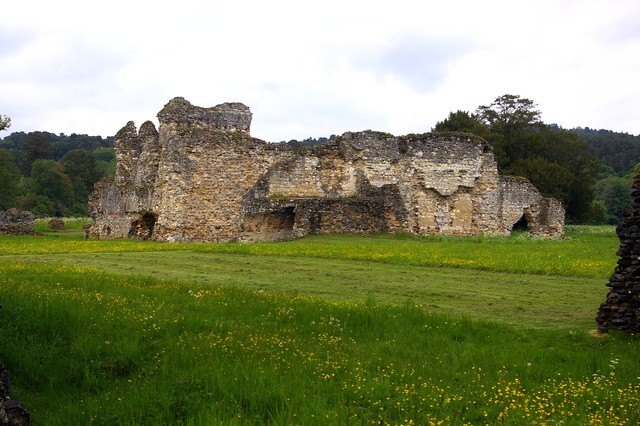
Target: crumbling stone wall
{"type": "Point", "coordinates": [185, 182]}
{"type": "Point", "coordinates": [544, 217]}
{"type": "Point", "coordinates": [202, 177]}
{"type": "Point", "coordinates": [621, 309]}
{"type": "Point", "coordinates": [16, 222]}
{"type": "Point", "coordinates": [426, 184]}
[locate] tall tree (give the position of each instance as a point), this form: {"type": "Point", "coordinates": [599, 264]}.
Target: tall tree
{"type": "Point", "coordinates": [5, 122]}
{"type": "Point", "coordinates": [615, 192]}
{"type": "Point", "coordinates": [10, 177]}
{"type": "Point", "coordinates": [461, 121]}
{"type": "Point", "coordinates": [36, 147]}
{"type": "Point", "coordinates": [556, 161]}
{"type": "Point", "coordinates": [80, 166]}
{"type": "Point", "coordinates": [105, 161]}
{"type": "Point", "coordinates": [567, 149]}
{"type": "Point", "coordinates": [48, 179]}
{"type": "Point", "coordinates": [509, 111]}
{"type": "Point", "coordinates": [512, 122]}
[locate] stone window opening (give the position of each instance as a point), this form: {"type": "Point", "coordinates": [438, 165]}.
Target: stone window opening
{"type": "Point", "coordinates": [277, 221]}
{"type": "Point", "coordinates": [142, 227]}
{"type": "Point", "coordinates": [287, 219]}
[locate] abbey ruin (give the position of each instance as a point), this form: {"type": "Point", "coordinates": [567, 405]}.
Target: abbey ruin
{"type": "Point", "coordinates": [201, 177]}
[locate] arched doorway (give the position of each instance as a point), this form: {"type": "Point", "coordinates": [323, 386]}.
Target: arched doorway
{"type": "Point", "coordinates": [524, 223]}
{"type": "Point", "coordinates": [521, 225]}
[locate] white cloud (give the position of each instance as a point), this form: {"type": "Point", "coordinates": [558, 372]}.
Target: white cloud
{"type": "Point", "coordinates": [320, 68]}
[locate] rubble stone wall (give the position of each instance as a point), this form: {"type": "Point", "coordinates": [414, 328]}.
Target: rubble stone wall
{"type": "Point", "coordinates": [202, 177]}
{"type": "Point", "coordinates": [621, 309]}
{"type": "Point", "coordinates": [16, 222]}
{"type": "Point", "coordinates": [12, 412]}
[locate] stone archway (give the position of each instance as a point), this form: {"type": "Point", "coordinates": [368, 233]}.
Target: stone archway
{"type": "Point", "coordinates": [521, 225]}
{"type": "Point", "coordinates": [524, 223]}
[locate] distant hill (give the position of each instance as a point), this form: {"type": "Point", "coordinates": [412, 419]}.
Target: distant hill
{"type": "Point", "coordinates": [59, 145]}
{"type": "Point", "coordinates": [620, 151]}
{"type": "Point", "coordinates": [52, 175]}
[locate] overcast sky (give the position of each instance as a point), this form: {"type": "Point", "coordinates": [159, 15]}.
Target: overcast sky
{"type": "Point", "coordinates": [310, 69]}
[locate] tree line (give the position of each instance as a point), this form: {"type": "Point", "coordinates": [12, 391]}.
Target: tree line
{"type": "Point", "coordinates": [620, 156]}
{"type": "Point", "coordinates": [52, 175]}
{"type": "Point", "coordinates": [590, 171]}
{"type": "Point", "coordinates": [576, 166]}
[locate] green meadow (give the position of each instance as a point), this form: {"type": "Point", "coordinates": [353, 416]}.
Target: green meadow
{"type": "Point", "coordinates": [385, 329]}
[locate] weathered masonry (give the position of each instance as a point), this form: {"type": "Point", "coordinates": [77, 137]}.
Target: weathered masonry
{"type": "Point", "coordinates": [621, 308]}
{"type": "Point", "coordinates": [202, 177]}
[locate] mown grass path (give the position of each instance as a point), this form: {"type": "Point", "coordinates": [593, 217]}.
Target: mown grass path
{"type": "Point", "coordinates": [522, 300]}
{"type": "Point", "coordinates": [587, 252]}
{"type": "Point", "coordinates": [517, 281]}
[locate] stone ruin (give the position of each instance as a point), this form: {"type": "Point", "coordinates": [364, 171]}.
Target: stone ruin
{"type": "Point", "coordinates": [621, 309]}
{"type": "Point", "coordinates": [16, 222]}
{"type": "Point", "coordinates": [201, 177]}
{"type": "Point", "coordinates": [12, 412]}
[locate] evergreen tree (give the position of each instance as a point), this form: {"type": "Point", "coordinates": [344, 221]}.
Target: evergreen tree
{"type": "Point", "coordinates": [36, 147]}
{"type": "Point", "coordinates": [9, 176]}
{"type": "Point", "coordinates": [80, 166]}
{"type": "Point", "coordinates": [461, 121]}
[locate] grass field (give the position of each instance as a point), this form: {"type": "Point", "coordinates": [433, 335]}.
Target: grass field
{"type": "Point", "coordinates": [324, 330]}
